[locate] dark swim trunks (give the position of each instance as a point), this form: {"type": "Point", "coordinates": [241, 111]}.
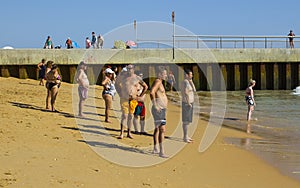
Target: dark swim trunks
{"type": "Point", "coordinates": [187, 112]}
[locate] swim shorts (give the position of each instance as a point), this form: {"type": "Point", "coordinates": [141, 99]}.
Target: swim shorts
{"type": "Point", "coordinates": [140, 109]}
{"type": "Point", "coordinates": [128, 107]}
{"type": "Point", "coordinates": [187, 112]}
{"type": "Point", "coordinates": [82, 92]}
{"type": "Point", "coordinates": [159, 116]}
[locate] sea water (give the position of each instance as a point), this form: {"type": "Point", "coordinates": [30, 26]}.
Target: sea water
{"type": "Point", "coordinates": [276, 122]}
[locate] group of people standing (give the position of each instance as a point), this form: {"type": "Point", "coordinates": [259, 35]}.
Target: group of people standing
{"type": "Point", "coordinates": [95, 42]}
{"type": "Point", "coordinates": [131, 88]}
{"type": "Point", "coordinates": [132, 91]}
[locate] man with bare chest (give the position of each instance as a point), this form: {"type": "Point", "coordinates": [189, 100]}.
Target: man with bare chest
{"type": "Point", "coordinates": [160, 102]}
{"type": "Point", "coordinates": [129, 92]}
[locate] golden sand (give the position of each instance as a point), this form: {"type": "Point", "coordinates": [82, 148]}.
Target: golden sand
{"type": "Point", "coordinates": [45, 149]}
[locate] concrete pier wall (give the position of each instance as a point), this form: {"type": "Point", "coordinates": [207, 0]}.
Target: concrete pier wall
{"type": "Point", "coordinates": [214, 69]}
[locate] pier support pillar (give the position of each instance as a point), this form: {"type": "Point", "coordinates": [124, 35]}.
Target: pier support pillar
{"type": "Point", "coordinates": [270, 76]}
{"type": "Point", "coordinates": [223, 77]}
{"type": "Point", "coordinates": [237, 77]}
{"type": "Point", "coordinates": [295, 72]}
{"type": "Point", "coordinates": [4, 71]}
{"type": "Point", "coordinates": [230, 75]}
{"type": "Point", "coordinates": [282, 76]}
{"type": "Point", "coordinates": [203, 77]}
{"type": "Point", "coordinates": [275, 81]}
{"type": "Point", "coordinates": [152, 74]}
{"type": "Point", "coordinates": [256, 75]}
{"type": "Point", "coordinates": [288, 76]}
{"type": "Point", "coordinates": [72, 70]}
{"type": "Point", "coordinates": [249, 72]}
{"type": "Point", "coordinates": [209, 77]}
{"type": "Point", "coordinates": [22, 69]}
{"type": "Point", "coordinates": [243, 76]}
{"type": "Point", "coordinates": [196, 76]}
{"type": "Point", "coordinates": [263, 77]}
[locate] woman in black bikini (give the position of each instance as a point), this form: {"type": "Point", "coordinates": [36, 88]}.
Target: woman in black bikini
{"type": "Point", "coordinates": [53, 83]}
{"type": "Point", "coordinates": [249, 97]}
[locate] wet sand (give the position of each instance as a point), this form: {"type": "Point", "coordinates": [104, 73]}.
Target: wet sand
{"type": "Point", "coordinates": [45, 149]}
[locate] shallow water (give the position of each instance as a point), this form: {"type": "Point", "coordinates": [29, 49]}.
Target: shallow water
{"type": "Point", "coordinates": [277, 122]}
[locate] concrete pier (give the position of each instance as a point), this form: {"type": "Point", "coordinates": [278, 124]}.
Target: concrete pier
{"type": "Point", "coordinates": [214, 69]}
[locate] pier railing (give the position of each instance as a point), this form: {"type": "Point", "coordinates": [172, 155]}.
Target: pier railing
{"type": "Point", "coordinates": [222, 41]}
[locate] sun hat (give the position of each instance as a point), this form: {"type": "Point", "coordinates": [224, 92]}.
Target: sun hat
{"type": "Point", "coordinates": [108, 71]}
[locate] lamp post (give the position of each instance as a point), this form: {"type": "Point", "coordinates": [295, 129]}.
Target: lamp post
{"type": "Point", "coordinates": [134, 25]}
{"type": "Point", "coordinates": [173, 21]}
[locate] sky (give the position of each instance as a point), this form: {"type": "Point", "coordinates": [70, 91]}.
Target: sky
{"type": "Point", "coordinates": [27, 23]}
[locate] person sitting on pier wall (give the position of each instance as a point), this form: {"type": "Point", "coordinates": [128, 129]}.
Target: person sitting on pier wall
{"type": "Point", "coordinates": [48, 44]}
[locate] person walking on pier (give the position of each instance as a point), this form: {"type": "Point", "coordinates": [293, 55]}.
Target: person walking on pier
{"type": "Point", "coordinates": [291, 38]}
{"type": "Point", "coordinates": [100, 41]}
{"type": "Point", "coordinates": [48, 44]}
{"type": "Point", "coordinates": [94, 40]}
{"type": "Point", "coordinates": [69, 43]}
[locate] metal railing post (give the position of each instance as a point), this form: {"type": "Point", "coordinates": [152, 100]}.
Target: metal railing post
{"type": "Point", "coordinates": [265, 42]}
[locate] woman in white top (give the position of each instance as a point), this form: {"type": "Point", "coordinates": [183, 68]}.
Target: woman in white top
{"type": "Point", "coordinates": [109, 91]}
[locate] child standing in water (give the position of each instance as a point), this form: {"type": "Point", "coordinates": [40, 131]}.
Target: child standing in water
{"type": "Point", "coordinates": [249, 97]}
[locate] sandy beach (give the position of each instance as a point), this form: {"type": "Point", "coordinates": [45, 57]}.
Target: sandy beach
{"type": "Point", "coordinates": [44, 149]}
